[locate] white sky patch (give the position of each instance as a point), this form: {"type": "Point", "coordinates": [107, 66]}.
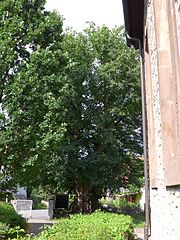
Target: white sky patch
{"type": "Point", "coordinates": [78, 12]}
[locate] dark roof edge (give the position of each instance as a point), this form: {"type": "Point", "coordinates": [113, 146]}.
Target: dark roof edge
{"type": "Point", "coordinates": [134, 20]}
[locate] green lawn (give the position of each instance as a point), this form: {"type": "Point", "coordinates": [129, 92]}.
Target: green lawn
{"type": "Point", "coordinates": [138, 221]}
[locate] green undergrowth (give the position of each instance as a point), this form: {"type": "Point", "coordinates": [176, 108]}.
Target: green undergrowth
{"type": "Point", "coordinates": [125, 207]}
{"type": "Point", "coordinates": [138, 221]}
{"type": "Point", "coordinates": [11, 224]}
{"type": "Point", "coordinates": [96, 226]}
{"type": "Point", "coordinates": [118, 203]}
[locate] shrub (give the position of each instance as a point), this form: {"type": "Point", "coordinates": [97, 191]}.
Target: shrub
{"type": "Point", "coordinates": [118, 203]}
{"type": "Point", "coordinates": [36, 198]}
{"type": "Point", "coordinates": [99, 226]}
{"type": "Point", "coordinates": [3, 229]}
{"type": "Point", "coordinates": [11, 223]}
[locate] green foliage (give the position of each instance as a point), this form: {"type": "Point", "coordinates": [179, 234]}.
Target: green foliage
{"type": "Point", "coordinates": [71, 104]}
{"type": "Point", "coordinates": [29, 48]}
{"type": "Point", "coordinates": [98, 225]}
{"type": "Point", "coordinates": [15, 232]}
{"type": "Point", "coordinates": [121, 205]}
{"type": "Point", "coordinates": [138, 220]}
{"type": "Point", "coordinates": [6, 186]}
{"type": "Point", "coordinates": [118, 203]}
{"type": "Point", "coordinates": [3, 229]}
{"type": "Point", "coordinates": [40, 206]}
{"type": "Point", "coordinates": [11, 224]}
{"type": "Point", "coordinates": [102, 144]}
{"type": "Point", "coordinates": [36, 199]}
{"type": "Point", "coordinates": [9, 216]}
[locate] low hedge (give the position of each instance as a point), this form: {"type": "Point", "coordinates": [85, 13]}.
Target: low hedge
{"type": "Point", "coordinates": [11, 223]}
{"type": "Point", "coordinates": [99, 226]}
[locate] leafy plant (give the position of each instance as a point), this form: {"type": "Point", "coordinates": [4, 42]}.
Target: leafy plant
{"type": "Point", "coordinates": [99, 226]}
{"type": "Point", "coordinates": [9, 216]}
{"type": "Point", "coordinates": [3, 229]}
{"type": "Point", "coordinates": [15, 232]}
{"type": "Point", "coordinates": [118, 203]}
{"type": "Point", "coordinates": [37, 197]}
{"type": "Point", "coordinates": [11, 224]}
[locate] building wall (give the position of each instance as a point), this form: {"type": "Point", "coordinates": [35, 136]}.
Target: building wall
{"type": "Point", "coordinates": [162, 91]}
{"type": "Point", "coordinates": [177, 12]}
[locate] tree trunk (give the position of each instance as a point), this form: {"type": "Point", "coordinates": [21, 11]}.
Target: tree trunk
{"type": "Point", "coordinates": [86, 200]}
{"type": "Point", "coordinates": [82, 198]}
{"type": "Point", "coordinates": [94, 198]}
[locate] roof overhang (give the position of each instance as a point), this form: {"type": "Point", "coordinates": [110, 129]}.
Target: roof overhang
{"type": "Point", "coordinates": [134, 19]}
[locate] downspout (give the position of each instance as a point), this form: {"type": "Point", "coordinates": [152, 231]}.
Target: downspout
{"type": "Point", "coordinates": [145, 146]}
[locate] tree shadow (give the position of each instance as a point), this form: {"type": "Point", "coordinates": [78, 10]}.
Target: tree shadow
{"type": "Point", "coordinates": [135, 212]}
{"type": "Point", "coordinates": [36, 228]}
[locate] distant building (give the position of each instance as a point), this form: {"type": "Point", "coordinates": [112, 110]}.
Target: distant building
{"type": "Point", "coordinates": [156, 23]}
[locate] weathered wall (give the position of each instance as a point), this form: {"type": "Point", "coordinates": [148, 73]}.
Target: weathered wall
{"type": "Point", "coordinates": [177, 10]}
{"type": "Point", "coordinates": [165, 201]}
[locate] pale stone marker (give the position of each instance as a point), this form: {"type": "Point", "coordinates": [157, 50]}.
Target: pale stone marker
{"type": "Point", "coordinates": [23, 207]}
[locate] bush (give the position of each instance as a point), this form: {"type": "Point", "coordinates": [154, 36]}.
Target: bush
{"type": "Point", "coordinates": [37, 198]}
{"type": "Point", "coordinates": [99, 226]}
{"type": "Point", "coordinates": [11, 223]}
{"type": "Point", "coordinates": [3, 230]}
{"type": "Point", "coordinates": [118, 203]}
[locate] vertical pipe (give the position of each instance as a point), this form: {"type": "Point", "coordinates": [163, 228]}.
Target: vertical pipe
{"type": "Point", "coordinates": [145, 146]}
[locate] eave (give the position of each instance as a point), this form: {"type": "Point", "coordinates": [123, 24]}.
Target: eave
{"type": "Point", "coordinates": [134, 19]}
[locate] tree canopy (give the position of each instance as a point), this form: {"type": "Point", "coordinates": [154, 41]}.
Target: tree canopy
{"type": "Point", "coordinates": [71, 104]}
{"type": "Point", "coordinates": [31, 58]}
{"type": "Point", "coordinates": [104, 125]}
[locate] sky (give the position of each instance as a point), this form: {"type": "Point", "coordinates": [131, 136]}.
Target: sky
{"type": "Point", "coordinates": [78, 12]}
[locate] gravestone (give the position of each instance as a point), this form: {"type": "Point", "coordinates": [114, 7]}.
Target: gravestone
{"type": "Point", "coordinates": [61, 201]}
{"type": "Point", "coordinates": [23, 207]}
{"type": "Point", "coordinates": [61, 205]}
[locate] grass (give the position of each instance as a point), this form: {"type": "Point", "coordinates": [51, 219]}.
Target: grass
{"type": "Point", "coordinates": [138, 221]}
{"type": "Point", "coordinates": [121, 205]}
{"type": "Point", "coordinates": [39, 206]}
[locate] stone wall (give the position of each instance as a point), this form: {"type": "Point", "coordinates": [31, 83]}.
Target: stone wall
{"type": "Point", "coordinates": [177, 10]}
{"type": "Point", "coordinates": [164, 201]}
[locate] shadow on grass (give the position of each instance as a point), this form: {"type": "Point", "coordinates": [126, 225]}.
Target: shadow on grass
{"type": "Point", "coordinates": [138, 221]}
{"type": "Point", "coordinates": [36, 228]}
{"type": "Point", "coordinates": [135, 212]}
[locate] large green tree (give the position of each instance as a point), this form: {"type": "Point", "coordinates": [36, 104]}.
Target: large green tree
{"type": "Point", "coordinates": [32, 65]}
{"type": "Point", "coordinates": [70, 104]}
{"type": "Point", "coordinates": [103, 138]}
